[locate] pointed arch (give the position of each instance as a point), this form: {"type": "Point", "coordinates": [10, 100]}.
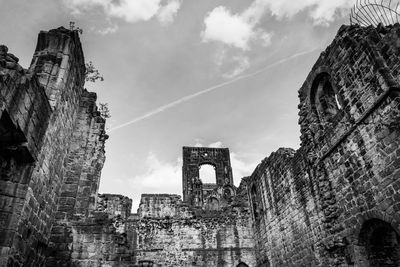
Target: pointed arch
{"type": "Point", "coordinates": [380, 243]}
{"type": "Point", "coordinates": [324, 99]}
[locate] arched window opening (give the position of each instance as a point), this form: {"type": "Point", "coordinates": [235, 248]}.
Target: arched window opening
{"type": "Point", "coordinates": [207, 174]}
{"type": "Point", "coordinates": [242, 264]}
{"type": "Point", "coordinates": [381, 243]}
{"type": "Point", "coordinates": [324, 98]}
{"type": "Point", "coordinates": [253, 194]}
{"type": "Point", "coordinates": [212, 204]}
{"type": "Point", "coordinates": [228, 193]}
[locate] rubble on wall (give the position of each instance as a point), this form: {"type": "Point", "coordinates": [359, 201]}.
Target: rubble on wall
{"type": "Point", "coordinates": [116, 205]}
{"type": "Point", "coordinates": [186, 237]}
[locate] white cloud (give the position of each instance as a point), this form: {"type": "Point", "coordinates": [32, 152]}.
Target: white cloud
{"type": "Point", "coordinates": [320, 11]}
{"type": "Point", "coordinates": [220, 57]}
{"type": "Point", "coordinates": [242, 64]}
{"type": "Point", "coordinates": [168, 12]}
{"type": "Point", "coordinates": [324, 13]}
{"type": "Point", "coordinates": [160, 177]}
{"type": "Point", "coordinates": [108, 30]}
{"type": "Point", "coordinates": [240, 168]}
{"type": "Point", "coordinates": [198, 143]}
{"type": "Point", "coordinates": [128, 10]}
{"type": "Point", "coordinates": [80, 6]}
{"type": "Point", "coordinates": [233, 30]}
{"type": "Point", "coordinates": [230, 65]}
{"type": "Point", "coordinates": [134, 10]}
{"type": "Point", "coordinates": [266, 38]}
{"type": "Point", "coordinates": [217, 144]}
{"type": "Point", "coordinates": [239, 30]}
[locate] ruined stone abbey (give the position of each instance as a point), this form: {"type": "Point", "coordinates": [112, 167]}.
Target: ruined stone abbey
{"type": "Point", "coordinates": [335, 201]}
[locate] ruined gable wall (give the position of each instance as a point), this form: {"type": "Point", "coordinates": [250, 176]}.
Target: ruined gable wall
{"type": "Point", "coordinates": [55, 78]}
{"type": "Point", "coordinates": [346, 171]}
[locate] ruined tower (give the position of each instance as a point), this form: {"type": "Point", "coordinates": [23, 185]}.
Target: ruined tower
{"type": "Point", "coordinates": [195, 191]}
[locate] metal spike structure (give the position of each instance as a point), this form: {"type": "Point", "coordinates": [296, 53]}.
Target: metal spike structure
{"type": "Point", "coordinates": [372, 13]}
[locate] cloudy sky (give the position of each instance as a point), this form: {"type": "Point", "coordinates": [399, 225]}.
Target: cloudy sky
{"type": "Point", "coordinates": [187, 72]}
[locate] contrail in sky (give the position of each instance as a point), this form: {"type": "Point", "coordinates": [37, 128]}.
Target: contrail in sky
{"type": "Point", "coordinates": [212, 88]}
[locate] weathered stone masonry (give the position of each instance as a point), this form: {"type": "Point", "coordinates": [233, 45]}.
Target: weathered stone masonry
{"type": "Point", "coordinates": [166, 231]}
{"type": "Point", "coordinates": [333, 202]}
{"type": "Point", "coordinates": [336, 200]}
{"type": "Point", "coordinates": [52, 152]}
{"type": "Point", "coordinates": [46, 174]}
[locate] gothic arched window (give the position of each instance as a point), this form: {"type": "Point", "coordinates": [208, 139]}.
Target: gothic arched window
{"type": "Point", "coordinates": [324, 98]}
{"type": "Point", "coordinates": [253, 195]}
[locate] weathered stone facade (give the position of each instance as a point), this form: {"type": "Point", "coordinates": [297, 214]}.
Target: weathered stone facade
{"type": "Point", "coordinates": [333, 202]}
{"type": "Point", "coordinates": [52, 152]}
{"type": "Point", "coordinates": [43, 111]}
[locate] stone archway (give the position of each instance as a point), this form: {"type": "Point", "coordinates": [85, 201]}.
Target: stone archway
{"type": "Point", "coordinates": [324, 98]}
{"type": "Point", "coordinates": [380, 244]}
{"type": "Point", "coordinates": [242, 264]}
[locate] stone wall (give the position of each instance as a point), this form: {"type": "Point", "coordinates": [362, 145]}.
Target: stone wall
{"type": "Point", "coordinates": [113, 204]}
{"type": "Point", "coordinates": [99, 240]}
{"type": "Point", "coordinates": [42, 110]}
{"type": "Point", "coordinates": [222, 239]}
{"type": "Point", "coordinates": [333, 202]}
{"type": "Point", "coordinates": [162, 206]}
{"type": "Point", "coordinates": [312, 207]}
{"type": "Point", "coordinates": [24, 116]}
{"type": "Point", "coordinates": [52, 153]}
{"type": "Point", "coordinates": [165, 232]}
{"type": "Point", "coordinates": [187, 236]}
